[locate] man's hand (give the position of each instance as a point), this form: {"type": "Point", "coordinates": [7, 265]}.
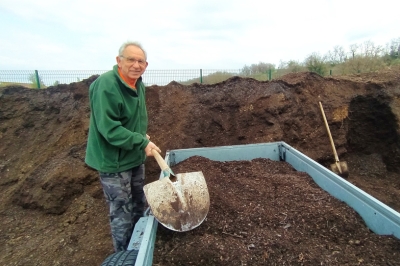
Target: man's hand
{"type": "Point", "coordinates": [149, 147]}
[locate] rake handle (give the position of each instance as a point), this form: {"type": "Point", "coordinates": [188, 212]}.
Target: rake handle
{"type": "Point", "coordinates": [329, 133]}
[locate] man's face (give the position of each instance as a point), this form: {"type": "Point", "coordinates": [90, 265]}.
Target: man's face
{"type": "Point", "coordinates": [132, 62]}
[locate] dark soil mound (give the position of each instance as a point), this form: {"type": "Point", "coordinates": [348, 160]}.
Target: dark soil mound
{"type": "Point", "coordinates": [51, 205]}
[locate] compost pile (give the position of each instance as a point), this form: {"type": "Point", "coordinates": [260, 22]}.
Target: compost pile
{"type": "Point", "coordinates": [52, 210]}
{"type": "Point", "coordinates": [264, 212]}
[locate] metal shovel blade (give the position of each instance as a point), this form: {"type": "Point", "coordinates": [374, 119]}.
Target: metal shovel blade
{"type": "Point", "coordinates": [180, 202]}
{"type": "Point", "coordinates": [340, 168]}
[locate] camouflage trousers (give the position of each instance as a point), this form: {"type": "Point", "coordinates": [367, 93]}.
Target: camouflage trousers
{"type": "Point", "coordinates": [126, 200]}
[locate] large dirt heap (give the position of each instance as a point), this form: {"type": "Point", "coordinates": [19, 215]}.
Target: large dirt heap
{"type": "Point", "coordinates": [50, 201]}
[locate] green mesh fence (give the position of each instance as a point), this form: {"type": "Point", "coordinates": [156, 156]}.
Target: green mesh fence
{"type": "Point", "coordinates": [46, 78]}
{"type": "Point", "coordinates": [29, 78]}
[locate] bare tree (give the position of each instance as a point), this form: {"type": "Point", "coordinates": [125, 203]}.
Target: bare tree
{"type": "Point", "coordinates": [371, 50]}
{"type": "Point", "coordinates": [261, 67]}
{"type": "Point", "coordinates": [340, 53]}
{"type": "Point", "coordinates": [353, 50]}
{"type": "Point", "coordinates": [336, 57]}
{"type": "Point", "coordinates": [331, 58]}
{"type": "Point", "coordinates": [246, 71]}
{"type": "Point", "coordinates": [394, 48]}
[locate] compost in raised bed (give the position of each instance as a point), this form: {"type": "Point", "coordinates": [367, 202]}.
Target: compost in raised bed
{"type": "Point", "coordinates": [264, 212]}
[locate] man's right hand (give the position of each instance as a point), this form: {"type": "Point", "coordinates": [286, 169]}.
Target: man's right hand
{"type": "Point", "coordinates": [149, 147]}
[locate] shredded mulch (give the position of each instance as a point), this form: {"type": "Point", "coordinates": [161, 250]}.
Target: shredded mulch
{"type": "Point", "coordinates": [264, 212]}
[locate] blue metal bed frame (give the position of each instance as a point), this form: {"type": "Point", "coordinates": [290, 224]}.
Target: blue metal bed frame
{"type": "Point", "coordinates": [379, 218]}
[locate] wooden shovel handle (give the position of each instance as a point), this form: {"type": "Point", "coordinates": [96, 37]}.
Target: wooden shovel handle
{"type": "Point", "coordinates": [163, 165]}
{"type": "Point", "coordinates": [329, 133]}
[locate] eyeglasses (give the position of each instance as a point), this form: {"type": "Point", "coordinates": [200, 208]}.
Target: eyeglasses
{"type": "Point", "coordinates": [132, 60]}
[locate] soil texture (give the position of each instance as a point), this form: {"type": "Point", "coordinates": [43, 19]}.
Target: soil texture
{"type": "Point", "coordinates": [52, 210]}
{"type": "Point", "coordinates": [264, 212]}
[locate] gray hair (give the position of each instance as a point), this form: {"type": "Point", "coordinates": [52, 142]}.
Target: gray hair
{"type": "Point", "coordinates": [129, 43]}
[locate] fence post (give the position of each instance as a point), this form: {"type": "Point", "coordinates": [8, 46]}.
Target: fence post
{"type": "Point", "coordinates": [269, 74]}
{"type": "Point", "coordinates": [201, 75]}
{"type": "Point", "coordinates": [330, 72]}
{"type": "Point", "coordinates": [37, 79]}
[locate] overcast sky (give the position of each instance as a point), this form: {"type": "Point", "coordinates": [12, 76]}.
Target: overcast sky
{"type": "Point", "coordinates": [179, 34]}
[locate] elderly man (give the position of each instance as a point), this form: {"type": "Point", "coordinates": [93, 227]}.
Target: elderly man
{"type": "Point", "coordinates": [117, 143]}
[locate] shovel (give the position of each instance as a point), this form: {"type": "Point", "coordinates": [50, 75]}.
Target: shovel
{"type": "Point", "coordinates": [179, 202]}
{"type": "Point", "coordinates": [339, 168]}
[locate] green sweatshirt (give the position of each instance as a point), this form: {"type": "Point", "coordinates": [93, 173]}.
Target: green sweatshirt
{"type": "Point", "coordinates": [118, 124]}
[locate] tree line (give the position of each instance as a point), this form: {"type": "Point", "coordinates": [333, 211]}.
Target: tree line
{"type": "Point", "coordinates": [359, 58]}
